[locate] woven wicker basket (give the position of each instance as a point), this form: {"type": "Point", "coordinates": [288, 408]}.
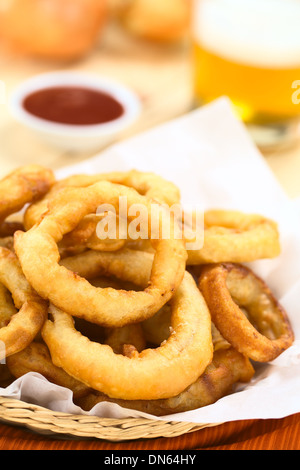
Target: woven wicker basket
{"type": "Point", "coordinates": [44, 421]}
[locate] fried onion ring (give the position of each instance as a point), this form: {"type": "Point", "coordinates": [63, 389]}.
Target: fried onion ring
{"type": "Point", "coordinates": [158, 328]}
{"type": "Point", "coordinates": [131, 267]}
{"type": "Point", "coordinates": [153, 373]}
{"type": "Point", "coordinates": [24, 185]}
{"type": "Point", "coordinates": [84, 237]}
{"type": "Point", "coordinates": [7, 307]}
{"type": "Point", "coordinates": [31, 309]}
{"type": "Point", "coordinates": [7, 242]}
{"type": "Point", "coordinates": [39, 257]}
{"type": "Point", "coordinates": [233, 236]}
{"type": "Point", "coordinates": [245, 311]}
{"type": "Point", "coordinates": [227, 368]}
{"type": "Point", "coordinates": [149, 184]}
{"type": "Point", "coordinates": [36, 358]}
{"type": "Point", "coordinates": [229, 236]}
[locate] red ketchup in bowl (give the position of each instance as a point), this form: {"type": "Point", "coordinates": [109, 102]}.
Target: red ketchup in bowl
{"type": "Point", "coordinates": [72, 105]}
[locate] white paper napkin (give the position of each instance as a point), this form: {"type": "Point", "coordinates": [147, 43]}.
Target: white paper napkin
{"type": "Point", "coordinates": [209, 155]}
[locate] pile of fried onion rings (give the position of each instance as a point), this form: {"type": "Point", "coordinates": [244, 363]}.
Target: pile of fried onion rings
{"type": "Point", "coordinates": [146, 323]}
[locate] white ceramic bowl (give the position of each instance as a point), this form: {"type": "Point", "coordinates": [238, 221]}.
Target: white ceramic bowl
{"type": "Point", "coordinates": [77, 138]}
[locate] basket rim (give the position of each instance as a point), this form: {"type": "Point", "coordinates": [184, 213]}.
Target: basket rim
{"type": "Point", "coordinates": [66, 425]}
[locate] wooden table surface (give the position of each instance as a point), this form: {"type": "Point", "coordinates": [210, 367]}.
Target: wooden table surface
{"type": "Point", "coordinates": [161, 75]}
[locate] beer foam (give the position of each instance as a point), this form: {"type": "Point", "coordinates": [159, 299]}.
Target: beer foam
{"type": "Point", "coordinates": [261, 33]}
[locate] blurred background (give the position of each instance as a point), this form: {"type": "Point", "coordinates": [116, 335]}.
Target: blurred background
{"type": "Point", "coordinates": [175, 55]}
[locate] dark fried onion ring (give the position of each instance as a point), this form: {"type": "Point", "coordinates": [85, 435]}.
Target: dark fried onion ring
{"type": "Point", "coordinates": [36, 358]}
{"type": "Point", "coordinates": [245, 311]}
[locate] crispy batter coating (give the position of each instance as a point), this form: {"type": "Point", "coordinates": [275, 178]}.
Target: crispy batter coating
{"type": "Point", "coordinates": [228, 236]}
{"type": "Point", "coordinates": [152, 374]}
{"type": "Point", "coordinates": [7, 307]}
{"type": "Point", "coordinates": [237, 237]}
{"type": "Point", "coordinates": [226, 370]}
{"type": "Point", "coordinates": [39, 257]}
{"type": "Point", "coordinates": [145, 183]}
{"type": "Point", "coordinates": [123, 321]}
{"type": "Point", "coordinates": [36, 358]}
{"type": "Point", "coordinates": [31, 314]}
{"type": "Point", "coordinates": [24, 185]}
{"type": "Point", "coordinates": [245, 311]}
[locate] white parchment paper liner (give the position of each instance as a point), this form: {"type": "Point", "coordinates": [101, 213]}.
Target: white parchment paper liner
{"type": "Point", "coordinates": [210, 156]}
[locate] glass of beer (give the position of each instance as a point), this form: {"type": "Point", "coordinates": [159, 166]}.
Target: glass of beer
{"type": "Point", "coordinates": [249, 51]}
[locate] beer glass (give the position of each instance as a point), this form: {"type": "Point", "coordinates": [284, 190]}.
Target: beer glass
{"type": "Point", "coordinates": [249, 51]}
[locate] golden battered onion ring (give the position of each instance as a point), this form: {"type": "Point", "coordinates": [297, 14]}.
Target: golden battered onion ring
{"type": "Point", "coordinates": [36, 358]}
{"type": "Point", "coordinates": [233, 236]}
{"type": "Point", "coordinates": [229, 236]}
{"type": "Point", "coordinates": [153, 373]}
{"type": "Point", "coordinates": [117, 338]}
{"type": "Point", "coordinates": [227, 368]}
{"type": "Point", "coordinates": [149, 184]}
{"type": "Point", "coordinates": [7, 307]}
{"type": "Point", "coordinates": [7, 242]}
{"type": "Point", "coordinates": [84, 237]}
{"type": "Point", "coordinates": [24, 185]}
{"type": "Point", "coordinates": [39, 257]}
{"type": "Point", "coordinates": [264, 331]}
{"type": "Point", "coordinates": [158, 328]}
{"type": "Point", "coordinates": [32, 310]}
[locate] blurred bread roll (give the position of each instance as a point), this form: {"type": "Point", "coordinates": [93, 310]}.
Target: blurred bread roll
{"type": "Point", "coordinates": [52, 29]}
{"type": "Point", "coordinates": [157, 20]}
